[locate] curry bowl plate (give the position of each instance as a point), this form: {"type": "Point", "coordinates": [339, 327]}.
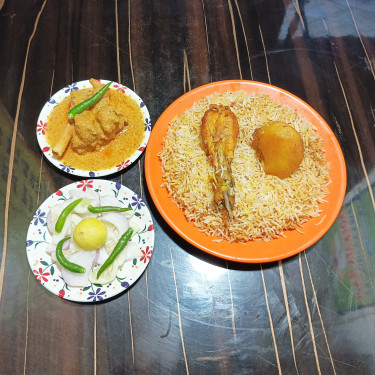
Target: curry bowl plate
{"type": "Point", "coordinates": [42, 128]}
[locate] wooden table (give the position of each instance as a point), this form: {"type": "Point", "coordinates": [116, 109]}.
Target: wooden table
{"type": "Point", "coordinates": [191, 312]}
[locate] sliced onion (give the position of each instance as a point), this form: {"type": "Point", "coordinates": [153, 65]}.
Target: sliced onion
{"type": "Point", "coordinates": [131, 251]}
{"type": "Point", "coordinates": [91, 194]}
{"type": "Point", "coordinates": [84, 259]}
{"type": "Point", "coordinates": [106, 277]}
{"type": "Point", "coordinates": [95, 261]}
{"type": "Point", "coordinates": [135, 226]}
{"type": "Point", "coordinates": [117, 224]}
{"type": "Point", "coordinates": [52, 247]}
{"type": "Point", "coordinates": [49, 222]}
{"type": "Point", "coordinates": [112, 238]}
{"type": "Point", "coordinates": [118, 220]}
{"type": "Point", "coordinates": [81, 208]}
{"type": "Point", "coordinates": [76, 219]}
{"type": "Point", "coordinates": [102, 257]}
{"type": "Point", "coordinates": [66, 245]}
{"type": "Point", "coordinates": [128, 214]}
{"type": "Point", "coordinates": [110, 200]}
{"type": "Point", "coordinates": [56, 210]}
{"type": "Point", "coordinates": [65, 232]}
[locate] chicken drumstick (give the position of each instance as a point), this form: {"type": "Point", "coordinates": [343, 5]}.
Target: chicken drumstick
{"type": "Point", "coordinates": [219, 131]}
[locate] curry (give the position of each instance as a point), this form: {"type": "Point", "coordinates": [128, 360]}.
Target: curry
{"type": "Point", "coordinates": [101, 137]}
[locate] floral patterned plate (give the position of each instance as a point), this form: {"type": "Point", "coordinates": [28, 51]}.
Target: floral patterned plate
{"type": "Point", "coordinates": [47, 272]}
{"type": "Point", "coordinates": [42, 127]}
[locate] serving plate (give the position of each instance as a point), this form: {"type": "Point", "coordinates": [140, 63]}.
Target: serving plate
{"type": "Point", "coordinates": [47, 272]}
{"type": "Point", "coordinates": [252, 251]}
{"type": "Point", "coordinates": [42, 128]}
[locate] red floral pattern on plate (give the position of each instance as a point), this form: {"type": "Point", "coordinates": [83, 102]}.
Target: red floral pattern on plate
{"type": "Point", "coordinates": [119, 87]}
{"type": "Point", "coordinates": [41, 127]}
{"type": "Point", "coordinates": [146, 255]}
{"type": "Point", "coordinates": [40, 275]}
{"type": "Point", "coordinates": [85, 184]}
{"type": "Point", "coordinates": [123, 165]}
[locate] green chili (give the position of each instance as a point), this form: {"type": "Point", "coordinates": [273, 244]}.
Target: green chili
{"type": "Point", "coordinates": [99, 210]}
{"type": "Point", "coordinates": [65, 262]}
{"type": "Point", "coordinates": [64, 214]}
{"type": "Point", "coordinates": [89, 102]}
{"type": "Point", "coordinates": [116, 251]}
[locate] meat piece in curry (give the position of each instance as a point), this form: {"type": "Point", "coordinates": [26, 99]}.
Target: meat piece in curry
{"type": "Point", "coordinates": [93, 128]}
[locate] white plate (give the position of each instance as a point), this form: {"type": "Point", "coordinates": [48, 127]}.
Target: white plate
{"type": "Point", "coordinates": [46, 271]}
{"type": "Point", "coordinates": [57, 98]}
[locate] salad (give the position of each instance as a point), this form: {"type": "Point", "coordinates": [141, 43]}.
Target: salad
{"type": "Point", "coordinates": [91, 237]}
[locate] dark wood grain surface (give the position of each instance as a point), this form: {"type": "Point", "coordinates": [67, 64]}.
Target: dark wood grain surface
{"type": "Point", "coordinates": [191, 313]}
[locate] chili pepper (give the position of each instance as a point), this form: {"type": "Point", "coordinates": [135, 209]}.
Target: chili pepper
{"type": "Point", "coordinates": [116, 251]}
{"type": "Point", "coordinates": [98, 210]}
{"type": "Point", "coordinates": [64, 214]}
{"type": "Point", "coordinates": [88, 102]}
{"type": "Point", "coordinates": [65, 262]}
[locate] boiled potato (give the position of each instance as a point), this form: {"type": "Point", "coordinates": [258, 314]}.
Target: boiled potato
{"type": "Point", "coordinates": [280, 147]}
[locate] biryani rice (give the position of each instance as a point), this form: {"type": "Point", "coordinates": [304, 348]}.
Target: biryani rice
{"type": "Point", "coordinates": [265, 205]}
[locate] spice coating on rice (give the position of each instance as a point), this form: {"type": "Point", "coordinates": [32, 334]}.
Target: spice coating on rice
{"type": "Point", "coordinates": [265, 205]}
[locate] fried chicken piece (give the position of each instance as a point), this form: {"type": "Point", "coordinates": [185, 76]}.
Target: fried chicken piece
{"type": "Point", "coordinates": [219, 131]}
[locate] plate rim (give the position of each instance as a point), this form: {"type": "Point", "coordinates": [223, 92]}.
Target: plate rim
{"type": "Point", "coordinates": [231, 85]}
{"type": "Point", "coordinates": [46, 148]}
{"type": "Point", "coordinates": [106, 184]}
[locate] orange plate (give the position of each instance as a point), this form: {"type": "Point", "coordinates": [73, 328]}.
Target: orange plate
{"type": "Point", "coordinates": [252, 251]}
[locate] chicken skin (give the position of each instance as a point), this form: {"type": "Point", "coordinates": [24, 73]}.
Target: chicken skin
{"type": "Point", "coordinates": [219, 131]}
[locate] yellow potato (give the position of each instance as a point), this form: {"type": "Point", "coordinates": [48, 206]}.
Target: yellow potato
{"type": "Point", "coordinates": [280, 147]}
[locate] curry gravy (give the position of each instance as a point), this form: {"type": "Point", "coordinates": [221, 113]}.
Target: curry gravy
{"type": "Point", "coordinates": [110, 155]}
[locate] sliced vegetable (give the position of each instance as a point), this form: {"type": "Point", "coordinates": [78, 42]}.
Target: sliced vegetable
{"type": "Point", "coordinates": [116, 251]}
{"type": "Point", "coordinates": [90, 194]}
{"type": "Point", "coordinates": [99, 210]}
{"type": "Point", "coordinates": [65, 262]}
{"type": "Point", "coordinates": [132, 251]}
{"type": "Point", "coordinates": [108, 275]}
{"type": "Point", "coordinates": [49, 222]}
{"type": "Point", "coordinates": [66, 211]}
{"type": "Point", "coordinates": [89, 102]}
{"type": "Point", "coordinates": [86, 260]}
{"type": "Point", "coordinates": [108, 200]}
{"type": "Point", "coordinates": [118, 220]}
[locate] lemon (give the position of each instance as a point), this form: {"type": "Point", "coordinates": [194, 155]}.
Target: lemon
{"type": "Point", "coordinates": [90, 234]}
